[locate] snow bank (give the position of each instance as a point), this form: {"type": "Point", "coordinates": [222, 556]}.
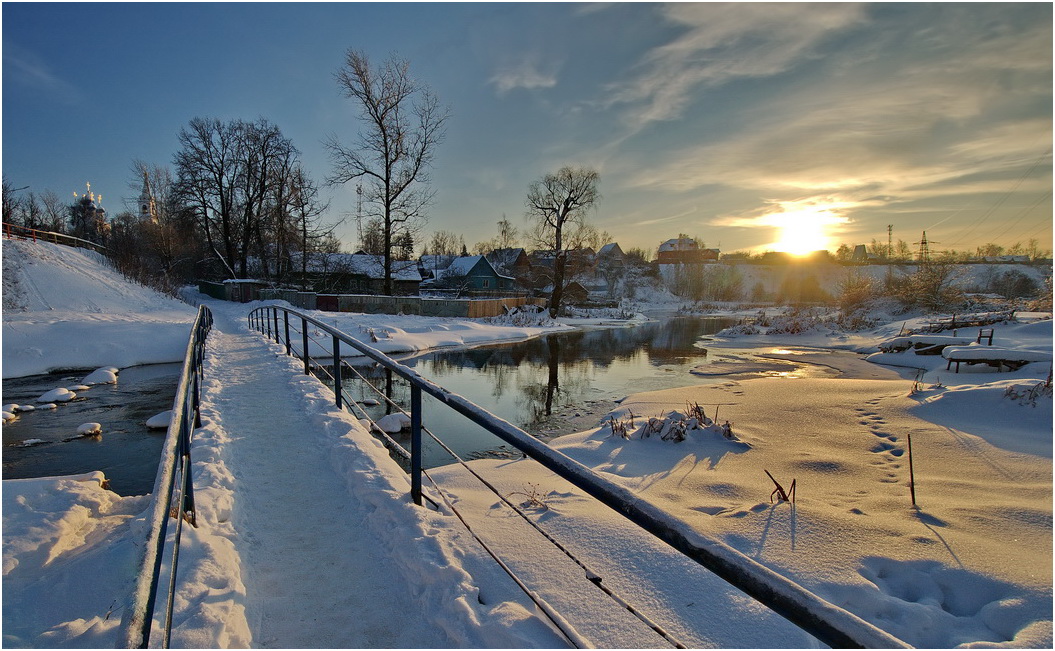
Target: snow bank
{"type": "Point", "coordinates": [65, 308]}
{"type": "Point", "coordinates": [69, 549]}
{"type": "Point", "coordinates": [971, 565]}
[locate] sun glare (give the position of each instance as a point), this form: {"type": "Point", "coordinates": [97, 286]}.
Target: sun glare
{"type": "Point", "coordinates": [805, 230]}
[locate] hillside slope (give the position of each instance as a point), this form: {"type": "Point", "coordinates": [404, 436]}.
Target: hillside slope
{"type": "Point", "coordinates": [65, 308]}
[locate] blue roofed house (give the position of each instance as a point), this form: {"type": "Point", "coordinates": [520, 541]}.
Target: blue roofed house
{"type": "Point", "coordinates": [475, 274]}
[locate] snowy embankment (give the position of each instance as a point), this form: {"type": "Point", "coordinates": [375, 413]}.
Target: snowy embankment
{"type": "Point", "coordinates": [65, 308]}
{"type": "Point", "coordinates": [405, 334]}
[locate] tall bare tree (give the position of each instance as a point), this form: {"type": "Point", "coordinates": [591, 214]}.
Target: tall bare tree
{"type": "Point", "coordinates": [54, 212]}
{"type": "Point", "coordinates": [558, 204]}
{"type": "Point", "coordinates": [403, 123]}
{"type": "Point", "coordinates": [305, 209]}
{"type": "Point", "coordinates": [230, 176]}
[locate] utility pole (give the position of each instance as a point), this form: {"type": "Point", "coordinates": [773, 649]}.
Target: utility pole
{"type": "Point", "coordinates": [889, 254]}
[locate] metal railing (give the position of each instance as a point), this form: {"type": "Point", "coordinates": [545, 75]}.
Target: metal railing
{"type": "Point", "coordinates": [13, 230]}
{"type": "Point", "coordinates": [173, 495]}
{"type": "Point", "coordinates": [828, 623]}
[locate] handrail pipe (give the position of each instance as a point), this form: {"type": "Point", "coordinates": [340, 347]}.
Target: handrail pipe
{"type": "Point", "coordinates": [175, 461]}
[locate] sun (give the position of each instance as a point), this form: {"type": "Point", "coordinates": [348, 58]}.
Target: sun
{"type": "Point", "coordinates": [805, 229]}
{"type": "Point", "coordinates": [802, 235]}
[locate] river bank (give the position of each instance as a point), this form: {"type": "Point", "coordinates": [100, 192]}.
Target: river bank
{"type": "Point", "coordinates": [955, 548]}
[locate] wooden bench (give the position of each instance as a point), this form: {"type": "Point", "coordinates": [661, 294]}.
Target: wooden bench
{"type": "Point", "coordinates": [923, 344]}
{"type": "Point", "coordinates": [998, 358]}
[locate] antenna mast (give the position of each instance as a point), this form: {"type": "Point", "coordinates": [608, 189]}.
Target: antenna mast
{"type": "Point", "coordinates": [359, 210]}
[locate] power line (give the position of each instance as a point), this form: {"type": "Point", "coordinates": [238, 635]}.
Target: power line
{"type": "Point", "coordinates": [1001, 200]}
{"type": "Point", "coordinates": [1022, 215]}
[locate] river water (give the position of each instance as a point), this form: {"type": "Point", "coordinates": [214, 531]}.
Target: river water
{"type": "Point", "coordinates": [127, 452]}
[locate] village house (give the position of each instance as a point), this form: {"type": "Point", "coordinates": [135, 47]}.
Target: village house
{"type": "Point", "coordinates": [472, 273]}
{"type": "Point", "coordinates": [684, 250]}
{"type": "Point", "coordinates": [510, 262]}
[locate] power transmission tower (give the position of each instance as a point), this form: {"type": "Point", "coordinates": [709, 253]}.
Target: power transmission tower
{"type": "Point", "coordinates": [924, 250]}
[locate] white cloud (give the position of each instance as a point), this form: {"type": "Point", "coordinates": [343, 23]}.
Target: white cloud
{"type": "Point", "coordinates": [526, 73]}
{"type": "Point", "coordinates": [903, 129]}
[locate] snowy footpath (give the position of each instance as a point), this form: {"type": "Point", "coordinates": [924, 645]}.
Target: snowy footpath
{"type": "Point", "coordinates": [327, 548]}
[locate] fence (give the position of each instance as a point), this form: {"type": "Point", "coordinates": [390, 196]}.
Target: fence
{"type": "Point", "coordinates": [828, 623]}
{"type": "Point", "coordinates": [175, 465]}
{"type": "Point", "coordinates": [13, 231]}
{"type": "Point", "coordinates": [422, 306]}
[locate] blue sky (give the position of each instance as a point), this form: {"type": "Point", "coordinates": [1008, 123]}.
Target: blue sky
{"type": "Point", "coordinates": [750, 126]}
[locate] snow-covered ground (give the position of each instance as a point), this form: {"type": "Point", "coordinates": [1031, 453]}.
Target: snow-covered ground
{"type": "Point", "coordinates": [281, 472]}
{"type": "Point", "coordinates": [64, 308]}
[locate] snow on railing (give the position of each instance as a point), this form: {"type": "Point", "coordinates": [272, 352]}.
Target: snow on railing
{"type": "Point", "coordinates": [828, 623]}
{"type": "Point", "coordinates": [175, 465]}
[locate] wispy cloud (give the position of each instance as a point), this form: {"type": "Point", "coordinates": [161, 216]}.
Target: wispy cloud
{"type": "Point", "coordinates": [722, 43]}
{"type": "Point", "coordinates": [669, 218]}
{"type": "Point", "coordinates": [528, 73]}
{"type": "Point", "coordinates": [27, 69]}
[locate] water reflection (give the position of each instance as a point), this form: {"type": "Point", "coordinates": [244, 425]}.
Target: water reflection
{"type": "Point", "coordinates": [549, 385]}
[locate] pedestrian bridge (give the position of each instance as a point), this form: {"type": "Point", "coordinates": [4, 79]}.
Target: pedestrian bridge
{"type": "Point", "coordinates": [319, 572]}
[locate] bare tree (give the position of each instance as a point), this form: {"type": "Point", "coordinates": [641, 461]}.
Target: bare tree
{"type": "Point", "coordinates": [445, 243]}
{"type": "Point", "coordinates": [305, 209]}
{"type": "Point", "coordinates": [230, 175]}
{"type": "Point", "coordinates": [54, 212]}
{"type": "Point", "coordinates": [403, 124]}
{"type": "Point", "coordinates": [507, 238]}
{"type": "Point", "coordinates": [557, 204]}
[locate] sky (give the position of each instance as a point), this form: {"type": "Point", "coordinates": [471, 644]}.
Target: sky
{"type": "Point", "coordinates": [748, 126]}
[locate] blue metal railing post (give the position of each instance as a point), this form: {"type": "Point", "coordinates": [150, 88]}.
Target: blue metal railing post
{"type": "Point", "coordinates": [267, 319]}
{"type": "Point", "coordinates": [274, 317]}
{"type": "Point", "coordinates": [289, 345]}
{"type": "Point", "coordinates": [337, 391]}
{"type": "Point", "coordinates": [188, 485]}
{"type": "Point", "coordinates": [415, 443]}
{"type": "Point", "coordinates": [304, 341]}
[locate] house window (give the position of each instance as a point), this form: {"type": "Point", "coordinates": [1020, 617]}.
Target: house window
{"type": "Point", "coordinates": [487, 283]}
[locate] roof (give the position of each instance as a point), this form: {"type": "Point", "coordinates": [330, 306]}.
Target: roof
{"type": "Point", "coordinates": [465, 266]}
{"type": "Point", "coordinates": [505, 257]}
{"type": "Point", "coordinates": [437, 262]}
{"type": "Point", "coordinates": [610, 249]}
{"type": "Point", "coordinates": [462, 266]}
{"type": "Point", "coordinates": [679, 244]}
